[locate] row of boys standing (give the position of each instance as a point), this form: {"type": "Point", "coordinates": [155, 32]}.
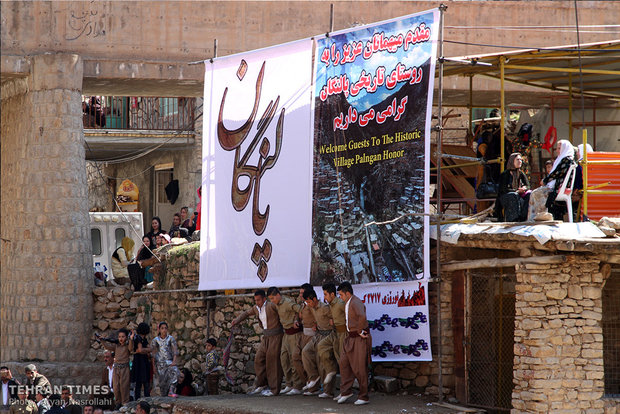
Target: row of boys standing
{"type": "Point", "coordinates": [306, 342]}
{"type": "Point", "coordinates": [164, 350]}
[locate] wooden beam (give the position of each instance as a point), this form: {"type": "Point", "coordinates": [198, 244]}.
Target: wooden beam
{"type": "Point", "coordinates": [609, 258]}
{"type": "Point", "coordinates": [494, 262]}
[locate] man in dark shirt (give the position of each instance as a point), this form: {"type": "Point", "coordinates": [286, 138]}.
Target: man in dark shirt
{"type": "Point", "coordinates": [36, 380]}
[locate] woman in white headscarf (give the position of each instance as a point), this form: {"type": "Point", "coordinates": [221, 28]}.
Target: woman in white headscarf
{"type": "Point", "coordinates": [551, 183]}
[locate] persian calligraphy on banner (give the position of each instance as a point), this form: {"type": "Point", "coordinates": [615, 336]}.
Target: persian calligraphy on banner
{"type": "Point", "coordinates": [398, 319]}
{"type": "Point", "coordinates": [257, 169]}
{"type": "Point", "coordinates": [373, 104]}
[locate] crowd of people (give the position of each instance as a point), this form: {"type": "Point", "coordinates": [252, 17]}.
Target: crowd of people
{"type": "Point", "coordinates": [127, 268]}
{"type": "Point", "coordinates": [158, 358]}
{"type": "Point", "coordinates": [130, 359]}
{"type": "Point", "coordinates": [305, 342]}
{"type": "Point", "coordinates": [520, 203]}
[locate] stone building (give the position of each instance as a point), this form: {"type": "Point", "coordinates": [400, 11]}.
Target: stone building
{"type": "Point", "coordinates": [53, 53]}
{"type": "Point", "coordinates": [524, 326]}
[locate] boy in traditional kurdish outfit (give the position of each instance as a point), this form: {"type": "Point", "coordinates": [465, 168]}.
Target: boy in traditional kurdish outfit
{"type": "Point", "coordinates": [165, 353]}
{"type": "Point", "coordinates": [213, 368]}
{"type": "Point", "coordinates": [122, 348]}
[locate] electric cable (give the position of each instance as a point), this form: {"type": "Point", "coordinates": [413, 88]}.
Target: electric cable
{"type": "Point", "coordinates": [133, 155]}
{"type": "Point", "coordinates": [139, 155]}
{"type": "Point", "coordinates": [122, 212]}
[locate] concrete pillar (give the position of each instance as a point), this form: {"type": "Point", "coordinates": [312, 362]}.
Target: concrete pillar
{"type": "Point", "coordinates": [46, 274]}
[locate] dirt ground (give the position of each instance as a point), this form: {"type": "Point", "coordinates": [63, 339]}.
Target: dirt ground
{"type": "Point", "coordinates": [246, 404]}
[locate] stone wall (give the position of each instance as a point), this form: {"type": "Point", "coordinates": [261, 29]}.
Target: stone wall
{"type": "Point", "coordinates": [45, 303]}
{"type": "Point", "coordinates": [558, 337]}
{"type": "Point", "coordinates": [558, 363]}
{"type": "Point", "coordinates": [241, 26]}
{"type": "Point", "coordinates": [99, 192]}
{"type": "Point", "coordinates": [191, 322]}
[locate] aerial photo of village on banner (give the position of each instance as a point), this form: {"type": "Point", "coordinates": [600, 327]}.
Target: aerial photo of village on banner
{"type": "Point", "coordinates": [316, 169]}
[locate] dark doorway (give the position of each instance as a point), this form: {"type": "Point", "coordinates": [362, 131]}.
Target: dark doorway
{"type": "Point", "coordinates": [490, 329]}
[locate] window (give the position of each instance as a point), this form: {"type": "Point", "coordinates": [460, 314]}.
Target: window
{"type": "Point", "coordinates": [163, 179]}
{"type": "Point", "coordinates": [168, 106]}
{"type": "Point", "coordinates": [118, 235]}
{"type": "Point", "coordinates": [95, 237]}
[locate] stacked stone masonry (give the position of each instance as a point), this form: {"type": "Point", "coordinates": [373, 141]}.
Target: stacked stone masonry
{"type": "Point", "coordinates": [188, 316]}
{"type": "Point", "coordinates": [558, 364]}
{"type": "Point", "coordinates": [46, 258]}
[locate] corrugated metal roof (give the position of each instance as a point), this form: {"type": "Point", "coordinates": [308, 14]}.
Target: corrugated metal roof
{"type": "Point", "coordinates": [550, 67]}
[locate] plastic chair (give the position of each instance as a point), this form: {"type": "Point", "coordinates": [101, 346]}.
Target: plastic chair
{"type": "Point", "coordinates": [565, 191]}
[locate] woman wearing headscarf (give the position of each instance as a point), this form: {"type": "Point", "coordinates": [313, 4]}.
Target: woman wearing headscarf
{"type": "Point", "coordinates": [138, 274]}
{"type": "Point", "coordinates": [513, 194]}
{"type": "Point", "coordinates": [561, 165]}
{"type": "Point", "coordinates": [543, 198]}
{"type": "Point", "coordinates": [120, 259]}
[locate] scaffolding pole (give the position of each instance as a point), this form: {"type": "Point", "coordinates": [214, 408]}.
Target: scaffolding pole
{"type": "Point", "coordinates": [570, 108]}
{"type": "Point", "coordinates": [502, 64]}
{"type": "Point", "coordinates": [442, 9]}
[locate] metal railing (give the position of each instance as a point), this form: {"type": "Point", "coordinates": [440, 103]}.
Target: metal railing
{"type": "Point", "coordinates": [138, 113]}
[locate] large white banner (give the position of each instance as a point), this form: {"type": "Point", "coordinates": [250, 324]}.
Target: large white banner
{"type": "Point", "coordinates": [257, 169]}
